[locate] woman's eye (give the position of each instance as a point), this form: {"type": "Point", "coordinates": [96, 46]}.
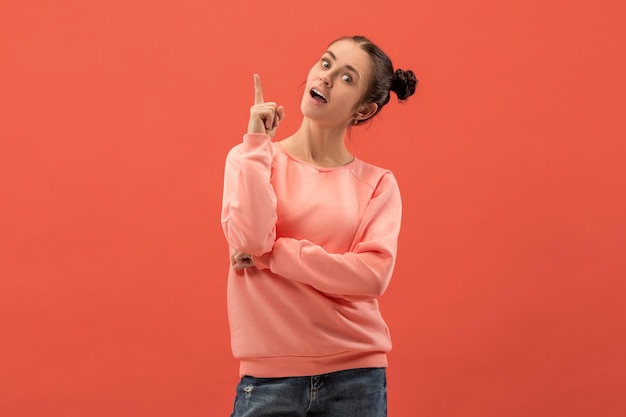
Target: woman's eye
{"type": "Point", "coordinates": [325, 63]}
{"type": "Point", "coordinates": [346, 78]}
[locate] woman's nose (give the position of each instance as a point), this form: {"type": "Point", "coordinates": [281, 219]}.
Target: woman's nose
{"type": "Point", "coordinates": [326, 80]}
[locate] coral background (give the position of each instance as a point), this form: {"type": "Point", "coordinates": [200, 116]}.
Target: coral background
{"type": "Point", "coordinates": [115, 119]}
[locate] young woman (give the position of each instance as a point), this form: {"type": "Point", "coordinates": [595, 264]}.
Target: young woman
{"type": "Point", "coordinates": [313, 233]}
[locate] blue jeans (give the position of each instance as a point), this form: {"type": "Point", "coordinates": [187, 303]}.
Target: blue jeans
{"type": "Point", "coordinates": [350, 393]}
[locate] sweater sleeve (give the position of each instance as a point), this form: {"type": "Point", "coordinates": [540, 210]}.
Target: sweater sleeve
{"type": "Point", "coordinates": [248, 202]}
{"type": "Point", "coordinates": [362, 273]}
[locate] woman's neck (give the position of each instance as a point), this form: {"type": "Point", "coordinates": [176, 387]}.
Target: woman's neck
{"type": "Point", "coordinates": [319, 145]}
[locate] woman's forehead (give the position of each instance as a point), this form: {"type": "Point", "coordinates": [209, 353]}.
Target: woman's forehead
{"type": "Point", "coordinates": [349, 52]}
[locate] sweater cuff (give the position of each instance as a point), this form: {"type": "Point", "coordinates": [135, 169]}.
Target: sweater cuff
{"type": "Point", "coordinates": [262, 261]}
{"type": "Point", "coordinates": [255, 137]}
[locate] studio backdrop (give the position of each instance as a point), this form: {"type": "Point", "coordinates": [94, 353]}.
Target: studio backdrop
{"type": "Point", "coordinates": [115, 120]}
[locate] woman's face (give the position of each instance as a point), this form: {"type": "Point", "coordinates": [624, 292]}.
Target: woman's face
{"type": "Point", "coordinates": [336, 85]}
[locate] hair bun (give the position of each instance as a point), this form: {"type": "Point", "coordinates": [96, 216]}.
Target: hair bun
{"type": "Point", "coordinates": [404, 83]}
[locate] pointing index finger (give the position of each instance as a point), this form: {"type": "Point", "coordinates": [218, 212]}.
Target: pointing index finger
{"type": "Point", "coordinates": [258, 91]}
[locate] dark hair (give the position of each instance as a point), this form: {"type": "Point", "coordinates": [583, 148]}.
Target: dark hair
{"type": "Point", "coordinates": [384, 78]}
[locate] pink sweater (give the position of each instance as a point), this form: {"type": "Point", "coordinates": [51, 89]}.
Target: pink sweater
{"type": "Point", "coordinates": [324, 244]}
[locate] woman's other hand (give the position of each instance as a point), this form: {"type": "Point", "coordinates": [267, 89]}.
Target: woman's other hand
{"type": "Point", "coordinates": [240, 260]}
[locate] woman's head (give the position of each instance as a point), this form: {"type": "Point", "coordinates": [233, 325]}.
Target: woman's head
{"type": "Point", "coordinates": [352, 81]}
{"type": "Point", "coordinates": [384, 79]}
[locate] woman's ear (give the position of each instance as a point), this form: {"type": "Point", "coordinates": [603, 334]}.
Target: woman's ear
{"type": "Point", "coordinates": [366, 111]}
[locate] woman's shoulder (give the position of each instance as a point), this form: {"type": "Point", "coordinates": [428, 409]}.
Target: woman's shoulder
{"type": "Point", "coordinates": [370, 169]}
{"type": "Point", "coordinates": [374, 175]}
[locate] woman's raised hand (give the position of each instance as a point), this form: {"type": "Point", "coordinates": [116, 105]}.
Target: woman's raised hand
{"type": "Point", "coordinates": [264, 117]}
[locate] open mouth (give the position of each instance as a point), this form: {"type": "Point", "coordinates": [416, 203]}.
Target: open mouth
{"type": "Point", "coordinates": [318, 96]}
